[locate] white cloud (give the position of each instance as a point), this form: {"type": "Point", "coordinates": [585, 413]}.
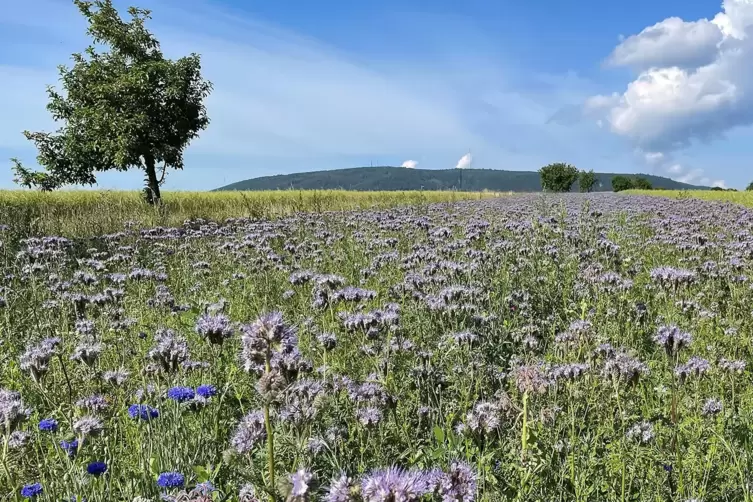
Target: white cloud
{"type": "Point", "coordinates": [675, 169]}
{"type": "Point", "coordinates": [410, 164]}
{"type": "Point", "coordinates": [672, 42]}
{"type": "Point", "coordinates": [694, 85]}
{"type": "Point", "coordinates": [653, 157]}
{"type": "Point", "coordinates": [464, 162]}
{"type": "Point", "coordinates": [719, 183]}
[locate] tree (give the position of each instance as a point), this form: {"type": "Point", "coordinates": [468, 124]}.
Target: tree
{"type": "Point", "coordinates": [750, 187]}
{"type": "Point", "coordinates": [620, 183]}
{"type": "Point", "coordinates": [586, 180]}
{"type": "Point", "coordinates": [642, 183]}
{"type": "Point", "coordinates": [558, 177]}
{"type": "Point", "coordinates": [123, 108]}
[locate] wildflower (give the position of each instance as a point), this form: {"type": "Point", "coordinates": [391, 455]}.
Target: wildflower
{"type": "Point", "coordinates": [181, 394]}
{"type": "Point", "coordinates": [696, 366]}
{"type": "Point", "coordinates": [88, 426]}
{"type": "Point", "coordinates": [301, 481]}
{"type": "Point", "coordinates": [142, 411]}
{"type": "Point", "coordinates": [70, 447]}
{"type": "Point", "coordinates": [459, 484]}
{"type": "Point", "coordinates": [31, 491]}
{"type": "Point", "coordinates": [249, 432]}
{"type": "Point", "coordinates": [37, 358]}
{"type": "Point", "coordinates": [93, 403]}
{"type": "Point", "coordinates": [12, 410]}
{"type": "Point", "coordinates": [170, 480]}
{"type": "Point", "coordinates": [247, 493]}
{"type": "Point", "coordinates": [169, 350]}
{"type": "Point", "coordinates": [369, 417]}
{"type": "Point", "coordinates": [394, 483]}
{"type": "Point", "coordinates": [18, 439]}
{"type": "Point", "coordinates": [531, 379]}
{"type": "Point", "coordinates": [672, 339]}
{"type": "Point", "coordinates": [87, 353]}
{"type": "Point", "coordinates": [48, 425]}
{"type": "Point", "coordinates": [341, 490]}
{"type": "Point", "coordinates": [96, 468]}
{"type": "Point", "coordinates": [215, 328]}
{"type": "Point", "coordinates": [643, 432]}
{"type": "Point", "coordinates": [117, 377]}
{"type": "Point", "coordinates": [206, 391]}
{"type": "Point", "coordinates": [711, 407]}
{"type": "Point", "coordinates": [484, 418]}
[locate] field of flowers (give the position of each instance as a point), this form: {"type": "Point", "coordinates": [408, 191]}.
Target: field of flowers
{"type": "Point", "coordinates": [527, 348]}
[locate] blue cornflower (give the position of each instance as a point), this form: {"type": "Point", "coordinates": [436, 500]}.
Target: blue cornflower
{"type": "Point", "coordinates": [206, 391]}
{"type": "Point", "coordinates": [142, 411]}
{"type": "Point", "coordinates": [96, 468]}
{"type": "Point", "coordinates": [181, 394]}
{"type": "Point", "coordinates": [31, 491]}
{"type": "Point", "coordinates": [48, 425]}
{"type": "Point", "coordinates": [170, 480]}
{"type": "Point", "coordinates": [70, 447]}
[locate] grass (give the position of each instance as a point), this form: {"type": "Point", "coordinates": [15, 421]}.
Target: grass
{"type": "Point", "coordinates": [87, 213]}
{"type": "Point", "coordinates": [744, 198]}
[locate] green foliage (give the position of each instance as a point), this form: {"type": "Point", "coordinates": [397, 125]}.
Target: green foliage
{"type": "Point", "coordinates": [642, 183]}
{"type": "Point", "coordinates": [749, 187]}
{"type": "Point", "coordinates": [718, 189]}
{"type": "Point", "coordinates": [620, 183]}
{"type": "Point", "coordinates": [558, 177]}
{"type": "Point", "coordinates": [586, 180]}
{"type": "Point", "coordinates": [398, 178]}
{"type": "Point", "coordinates": [123, 108]}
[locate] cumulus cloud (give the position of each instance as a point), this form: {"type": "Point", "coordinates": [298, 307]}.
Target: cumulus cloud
{"type": "Point", "coordinates": [694, 83]}
{"type": "Point", "coordinates": [672, 42]}
{"type": "Point", "coordinates": [410, 164]}
{"type": "Point", "coordinates": [464, 162]}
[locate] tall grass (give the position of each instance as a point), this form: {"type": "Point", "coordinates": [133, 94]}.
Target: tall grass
{"type": "Point", "coordinates": [87, 213]}
{"type": "Point", "coordinates": [744, 198]}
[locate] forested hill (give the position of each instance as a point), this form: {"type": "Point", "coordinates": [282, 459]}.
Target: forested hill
{"type": "Point", "coordinates": [400, 178]}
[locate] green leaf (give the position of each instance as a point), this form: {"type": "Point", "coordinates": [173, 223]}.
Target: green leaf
{"type": "Point", "coordinates": [438, 434]}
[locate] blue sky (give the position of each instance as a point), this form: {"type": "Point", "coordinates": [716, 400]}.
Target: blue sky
{"type": "Point", "coordinates": [640, 86]}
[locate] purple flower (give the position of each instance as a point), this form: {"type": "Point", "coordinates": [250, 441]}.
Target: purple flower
{"type": "Point", "coordinates": [394, 483]}
{"type": "Point", "coordinates": [300, 480]}
{"type": "Point", "coordinates": [250, 431]}
{"type": "Point", "coordinates": [48, 425]}
{"type": "Point", "coordinates": [206, 391]}
{"type": "Point", "coordinates": [170, 480]}
{"type": "Point", "coordinates": [142, 411]}
{"type": "Point", "coordinates": [31, 491]}
{"type": "Point", "coordinates": [96, 468]}
{"type": "Point", "coordinates": [181, 394]}
{"type": "Point", "coordinates": [70, 447]}
{"type": "Point", "coordinates": [340, 490]}
{"type": "Point", "coordinates": [215, 328]}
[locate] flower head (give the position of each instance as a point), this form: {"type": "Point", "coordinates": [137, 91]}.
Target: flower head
{"type": "Point", "coordinates": [170, 480]}
{"type": "Point", "coordinates": [48, 425]}
{"type": "Point", "coordinates": [142, 411]}
{"type": "Point", "coordinates": [96, 468]}
{"type": "Point", "coordinates": [181, 394]}
{"type": "Point", "coordinates": [31, 491]}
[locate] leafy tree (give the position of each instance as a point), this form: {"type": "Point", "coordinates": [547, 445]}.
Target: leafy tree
{"type": "Point", "coordinates": [620, 183]}
{"type": "Point", "coordinates": [558, 177]}
{"type": "Point", "coordinates": [586, 180]}
{"type": "Point", "coordinates": [750, 187]}
{"type": "Point", "coordinates": [642, 183]}
{"type": "Point", "coordinates": [123, 108]}
{"type": "Point", "coordinates": [717, 189]}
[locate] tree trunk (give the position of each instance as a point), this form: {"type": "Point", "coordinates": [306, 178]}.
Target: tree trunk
{"type": "Point", "coordinates": [151, 191]}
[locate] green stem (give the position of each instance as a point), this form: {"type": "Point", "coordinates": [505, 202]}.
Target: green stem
{"type": "Point", "coordinates": [270, 443]}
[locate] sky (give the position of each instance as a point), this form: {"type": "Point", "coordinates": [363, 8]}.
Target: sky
{"type": "Point", "coordinates": [632, 87]}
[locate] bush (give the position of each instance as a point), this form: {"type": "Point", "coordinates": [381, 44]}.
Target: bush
{"type": "Point", "coordinates": [642, 183]}
{"type": "Point", "coordinates": [620, 183]}
{"type": "Point", "coordinates": [558, 177]}
{"type": "Point", "coordinates": [586, 180]}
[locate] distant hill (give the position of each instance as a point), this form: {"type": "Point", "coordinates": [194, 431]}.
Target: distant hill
{"type": "Point", "coordinates": [400, 178]}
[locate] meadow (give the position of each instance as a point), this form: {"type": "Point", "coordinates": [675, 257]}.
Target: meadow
{"type": "Point", "coordinates": [522, 348]}
{"type": "Point", "coordinates": [87, 213]}
{"type": "Point", "coordinates": [745, 198]}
